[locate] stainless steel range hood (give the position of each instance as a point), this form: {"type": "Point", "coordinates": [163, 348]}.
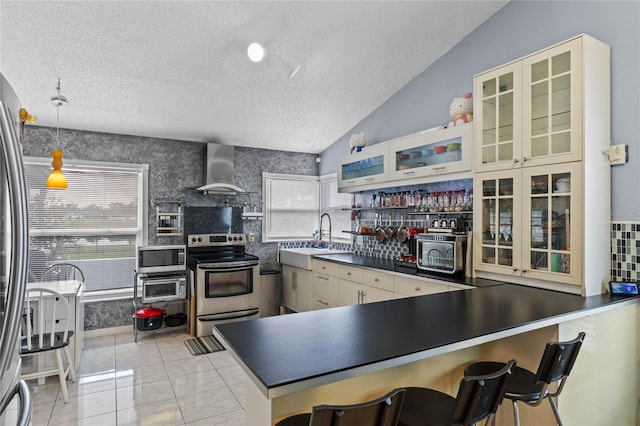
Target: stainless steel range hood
{"type": "Point", "coordinates": [219, 170]}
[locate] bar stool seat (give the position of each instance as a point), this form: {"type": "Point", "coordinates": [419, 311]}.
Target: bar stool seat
{"type": "Point", "coordinates": [533, 388]}
{"type": "Point", "coordinates": [478, 398]}
{"type": "Point", "coordinates": [383, 411]}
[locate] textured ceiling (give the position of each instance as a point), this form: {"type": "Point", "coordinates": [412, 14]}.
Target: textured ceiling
{"type": "Point", "coordinates": [179, 70]}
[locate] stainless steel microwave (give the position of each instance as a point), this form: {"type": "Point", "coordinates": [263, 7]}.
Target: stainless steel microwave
{"type": "Point", "coordinates": [441, 252]}
{"type": "Point", "coordinates": [154, 259]}
{"type": "Point", "coordinates": [163, 288]}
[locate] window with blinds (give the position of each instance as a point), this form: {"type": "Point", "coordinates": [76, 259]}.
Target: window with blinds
{"type": "Point", "coordinates": [95, 224]}
{"type": "Point", "coordinates": [293, 204]}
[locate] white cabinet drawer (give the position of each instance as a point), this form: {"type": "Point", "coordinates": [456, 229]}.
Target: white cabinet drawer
{"type": "Point", "coordinates": [319, 302]}
{"type": "Point", "coordinates": [324, 267]}
{"type": "Point", "coordinates": [404, 286]}
{"type": "Point", "coordinates": [325, 286]}
{"type": "Point", "coordinates": [350, 273]}
{"type": "Point", "coordinates": [378, 279]}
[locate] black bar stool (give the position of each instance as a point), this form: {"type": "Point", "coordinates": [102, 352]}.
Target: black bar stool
{"type": "Point", "coordinates": [383, 411]}
{"type": "Point", "coordinates": [478, 398]}
{"type": "Point", "coordinates": [556, 364]}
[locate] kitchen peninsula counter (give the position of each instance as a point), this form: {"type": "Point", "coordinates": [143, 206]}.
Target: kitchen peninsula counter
{"type": "Point", "coordinates": [289, 359]}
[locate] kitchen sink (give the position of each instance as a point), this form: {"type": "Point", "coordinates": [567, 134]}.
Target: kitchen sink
{"type": "Point", "coordinates": [302, 257]}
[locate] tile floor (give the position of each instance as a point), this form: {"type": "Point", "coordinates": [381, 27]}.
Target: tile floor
{"type": "Point", "coordinates": [154, 382]}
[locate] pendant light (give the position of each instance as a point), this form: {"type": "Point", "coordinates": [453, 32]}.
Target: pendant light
{"type": "Point", "coordinates": [56, 179]}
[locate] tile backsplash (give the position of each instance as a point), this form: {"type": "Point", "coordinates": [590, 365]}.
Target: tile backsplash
{"type": "Point", "coordinates": [625, 251]}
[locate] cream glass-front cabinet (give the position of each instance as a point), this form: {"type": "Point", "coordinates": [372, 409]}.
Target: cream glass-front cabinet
{"type": "Point", "coordinates": [529, 223]}
{"type": "Point", "coordinates": [432, 153]}
{"type": "Point", "coordinates": [530, 112]}
{"type": "Point", "coordinates": [363, 168]}
{"type": "Point", "coordinates": [542, 182]}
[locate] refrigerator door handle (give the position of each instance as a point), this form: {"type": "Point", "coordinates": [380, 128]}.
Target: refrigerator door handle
{"type": "Point", "coordinates": [17, 280]}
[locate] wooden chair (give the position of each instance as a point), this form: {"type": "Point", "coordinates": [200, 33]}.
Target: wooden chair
{"type": "Point", "coordinates": [45, 328]}
{"type": "Point", "coordinates": [478, 399]}
{"type": "Point", "coordinates": [62, 272]}
{"type": "Point", "coordinates": [533, 388]}
{"type": "Point", "coordinates": [383, 411]}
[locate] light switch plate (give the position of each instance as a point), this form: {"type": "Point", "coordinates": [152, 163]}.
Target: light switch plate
{"type": "Point", "coordinates": [618, 154]}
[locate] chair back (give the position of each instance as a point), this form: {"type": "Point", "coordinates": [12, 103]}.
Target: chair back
{"type": "Point", "coordinates": [62, 272]}
{"type": "Point", "coordinates": [384, 411]}
{"type": "Point", "coordinates": [558, 359]}
{"type": "Point", "coordinates": [479, 396]}
{"type": "Point", "coordinates": [46, 318]}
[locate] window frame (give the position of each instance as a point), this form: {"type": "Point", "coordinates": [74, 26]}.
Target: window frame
{"type": "Point", "coordinates": [140, 231]}
{"type": "Point", "coordinates": [307, 235]}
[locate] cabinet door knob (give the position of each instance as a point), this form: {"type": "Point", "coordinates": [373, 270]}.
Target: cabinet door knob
{"type": "Point", "coordinates": [515, 269]}
{"type": "Point", "coordinates": [417, 288]}
{"type": "Point", "coordinates": [515, 161]}
{"type": "Point", "coordinates": [349, 273]}
{"type": "Point", "coordinates": [525, 159]}
{"type": "Point", "coordinates": [376, 279]}
{"type": "Point", "coordinates": [524, 270]}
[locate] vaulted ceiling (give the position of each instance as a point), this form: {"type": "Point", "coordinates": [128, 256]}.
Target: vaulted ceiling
{"type": "Point", "coordinates": [179, 69]}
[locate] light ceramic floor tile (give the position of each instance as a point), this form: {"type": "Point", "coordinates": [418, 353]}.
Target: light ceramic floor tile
{"type": "Point", "coordinates": [207, 404]}
{"type": "Point", "coordinates": [99, 342]}
{"type": "Point", "coordinates": [234, 418]}
{"type": "Point", "coordinates": [171, 339]}
{"type": "Point", "coordinates": [233, 375]}
{"type": "Point", "coordinates": [41, 413]}
{"type": "Point", "coordinates": [161, 413]}
{"type": "Point", "coordinates": [90, 384]}
{"type": "Point", "coordinates": [109, 419]}
{"type": "Point", "coordinates": [134, 350]}
{"type": "Point", "coordinates": [174, 353]}
{"type": "Point", "coordinates": [221, 359]}
{"type": "Point", "coordinates": [83, 406]}
{"type": "Point", "coordinates": [139, 360]}
{"type": "Point", "coordinates": [130, 338]}
{"type": "Point", "coordinates": [44, 393]}
{"type": "Point", "coordinates": [196, 364]}
{"type": "Point", "coordinates": [196, 383]}
{"type": "Point", "coordinates": [96, 365]}
{"type": "Point", "coordinates": [145, 374]}
{"type": "Point", "coordinates": [144, 393]}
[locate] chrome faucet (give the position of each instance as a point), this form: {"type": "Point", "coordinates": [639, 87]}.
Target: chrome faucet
{"type": "Point", "coordinates": [328, 217]}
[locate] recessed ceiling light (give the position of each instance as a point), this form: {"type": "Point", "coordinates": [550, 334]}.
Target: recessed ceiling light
{"type": "Point", "coordinates": [255, 52]}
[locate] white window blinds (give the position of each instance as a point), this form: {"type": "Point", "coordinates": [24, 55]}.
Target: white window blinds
{"type": "Point", "coordinates": [95, 223]}
{"type": "Point", "coordinates": [291, 206]}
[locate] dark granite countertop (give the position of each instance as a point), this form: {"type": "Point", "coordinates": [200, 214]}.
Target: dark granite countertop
{"type": "Point", "coordinates": [288, 351]}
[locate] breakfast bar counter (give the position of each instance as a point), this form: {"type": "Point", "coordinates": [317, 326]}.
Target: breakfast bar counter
{"type": "Point", "coordinates": [296, 361]}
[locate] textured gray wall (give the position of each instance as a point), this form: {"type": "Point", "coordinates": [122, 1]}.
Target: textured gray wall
{"type": "Point", "coordinates": [175, 169]}
{"type": "Point", "coordinates": [516, 30]}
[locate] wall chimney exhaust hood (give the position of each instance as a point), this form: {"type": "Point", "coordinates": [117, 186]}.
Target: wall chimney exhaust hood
{"type": "Point", "coordinates": [219, 170]}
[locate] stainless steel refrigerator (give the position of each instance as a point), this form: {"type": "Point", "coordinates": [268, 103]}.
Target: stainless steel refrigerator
{"type": "Point", "coordinates": [14, 242]}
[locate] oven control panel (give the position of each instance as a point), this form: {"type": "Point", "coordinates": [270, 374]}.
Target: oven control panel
{"type": "Point", "coordinates": [212, 240]}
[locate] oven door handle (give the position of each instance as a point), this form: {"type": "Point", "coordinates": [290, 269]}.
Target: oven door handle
{"type": "Point", "coordinates": [227, 267]}
{"type": "Point", "coordinates": [229, 315]}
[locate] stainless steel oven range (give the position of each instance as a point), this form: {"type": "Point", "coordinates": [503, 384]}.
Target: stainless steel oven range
{"type": "Point", "coordinates": [224, 279]}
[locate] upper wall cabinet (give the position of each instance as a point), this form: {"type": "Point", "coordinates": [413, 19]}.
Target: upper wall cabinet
{"type": "Point", "coordinates": [531, 112]}
{"type": "Point", "coordinates": [432, 153]}
{"type": "Point", "coordinates": [413, 159]}
{"type": "Point", "coordinates": [367, 167]}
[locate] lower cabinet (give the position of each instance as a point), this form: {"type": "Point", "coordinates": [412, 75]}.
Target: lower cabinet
{"type": "Point", "coordinates": [331, 284]}
{"type": "Point", "coordinates": [296, 288]}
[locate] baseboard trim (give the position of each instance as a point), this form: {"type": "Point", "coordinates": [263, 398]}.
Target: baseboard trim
{"type": "Point", "coordinates": [99, 332]}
